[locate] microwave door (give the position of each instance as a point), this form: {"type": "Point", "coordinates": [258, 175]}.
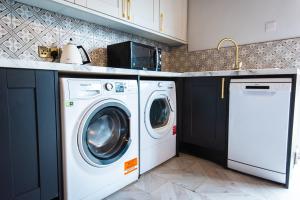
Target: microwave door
{"type": "Point", "coordinates": [139, 57]}
{"type": "Point", "coordinates": [143, 57]}
{"type": "Point", "coordinates": [151, 60]}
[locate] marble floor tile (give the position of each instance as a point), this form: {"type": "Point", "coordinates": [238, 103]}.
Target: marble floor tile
{"type": "Point", "coordinates": [190, 178]}
{"type": "Point", "coordinates": [180, 177]}
{"type": "Point", "coordinates": [180, 163]}
{"type": "Point", "coordinates": [216, 187]}
{"type": "Point", "coordinates": [150, 182]}
{"type": "Point", "coordinates": [172, 191]}
{"type": "Point", "coordinates": [230, 196]}
{"type": "Point", "coordinates": [130, 193]}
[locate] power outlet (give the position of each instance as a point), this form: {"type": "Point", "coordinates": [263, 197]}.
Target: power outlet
{"type": "Point", "coordinates": [47, 52]}
{"type": "Point", "coordinates": [44, 52]}
{"type": "Point", "coordinates": [270, 26]}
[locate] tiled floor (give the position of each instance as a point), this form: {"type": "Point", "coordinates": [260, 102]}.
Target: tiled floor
{"type": "Point", "coordinates": [191, 178]}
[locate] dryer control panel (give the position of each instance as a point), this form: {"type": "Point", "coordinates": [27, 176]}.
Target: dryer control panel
{"type": "Point", "coordinates": [166, 85]}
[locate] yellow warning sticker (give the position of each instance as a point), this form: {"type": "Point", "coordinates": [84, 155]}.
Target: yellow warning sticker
{"type": "Point", "coordinates": [130, 166]}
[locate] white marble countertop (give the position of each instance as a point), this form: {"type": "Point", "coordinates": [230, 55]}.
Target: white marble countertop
{"type": "Point", "coordinates": [248, 72]}
{"type": "Point", "coordinates": [88, 69]}
{"type": "Point", "coordinates": [80, 69]}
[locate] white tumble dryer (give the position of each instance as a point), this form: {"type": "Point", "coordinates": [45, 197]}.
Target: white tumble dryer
{"type": "Point", "coordinates": [99, 136]}
{"type": "Point", "coordinates": [158, 123]}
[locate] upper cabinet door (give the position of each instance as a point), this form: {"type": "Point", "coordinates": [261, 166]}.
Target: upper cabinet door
{"type": "Point", "coordinates": [145, 13]}
{"type": "Point", "coordinates": [173, 18]}
{"type": "Point", "coordinates": [80, 2]}
{"type": "Point", "coordinates": [109, 7]}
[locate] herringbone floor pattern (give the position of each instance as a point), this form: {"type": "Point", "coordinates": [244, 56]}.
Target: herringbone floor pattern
{"type": "Point", "coordinates": [191, 178]}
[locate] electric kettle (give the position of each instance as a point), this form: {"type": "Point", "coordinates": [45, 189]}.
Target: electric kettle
{"type": "Point", "coordinates": [71, 54]}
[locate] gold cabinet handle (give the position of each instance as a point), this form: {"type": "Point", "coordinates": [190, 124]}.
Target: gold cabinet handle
{"type": "Point", "coordinates": [161, 19]}
{"type": "Point", "coordinates": [128, 9]}
{"type": "Point", "coordinates": [223, 88]}
{"type": "Point", "coordinates": [124, 8]}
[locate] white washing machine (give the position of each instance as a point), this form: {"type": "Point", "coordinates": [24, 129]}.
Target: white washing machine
{"type": "Point", "coordinates": [158, 123]}
{"type": "Point", "coordinates": [99, 136]}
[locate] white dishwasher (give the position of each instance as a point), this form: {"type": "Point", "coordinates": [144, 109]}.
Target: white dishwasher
{"type": "Point", "coordinates": [259, 126]}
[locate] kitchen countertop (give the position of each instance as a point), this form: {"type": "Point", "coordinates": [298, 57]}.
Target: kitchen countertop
{"type": "Point", "coordinates": [80, 69]}
{"type": "Point", "coordinates": [88, 69]}
{"type": "Point", "coordinates": [248, 72]}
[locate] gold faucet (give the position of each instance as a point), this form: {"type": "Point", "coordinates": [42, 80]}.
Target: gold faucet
{"type": "Point", "coordinates": [237, 64]}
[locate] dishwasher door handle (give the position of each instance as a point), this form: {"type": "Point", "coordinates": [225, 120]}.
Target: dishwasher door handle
{"type": "Point", "coordinates": [259, 90]}
{"type": "Point", "coordinates": [257, 87]}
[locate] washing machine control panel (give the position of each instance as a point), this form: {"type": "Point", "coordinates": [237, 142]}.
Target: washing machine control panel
{"type": "Point", "coordinates": [120, 87]}
{"type": "Point", "coordinates": [86, 89]}
{"type": "Point", "coordinates": [115, 87]}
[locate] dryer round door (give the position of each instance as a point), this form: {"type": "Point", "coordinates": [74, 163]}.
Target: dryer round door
{"type": "Point", "coordinates": [159, 114]}
{"type": "Point", "coordinates": [104, 133]}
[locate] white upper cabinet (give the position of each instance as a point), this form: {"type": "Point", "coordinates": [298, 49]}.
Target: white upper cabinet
{"type": "Point", "coordinates": [145, 13]}
{"type": "Point", "coordinates": [161, 20]}
{"type": "Point", "coordinates": [173, 18]}
{"type": "Point", "coordinates": [79, 2]}
{"type": "Point", "coordinates": [109, 7]}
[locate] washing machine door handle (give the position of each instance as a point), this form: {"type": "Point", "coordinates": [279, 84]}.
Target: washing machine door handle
{"type": "Point", "coordinates": [170, 104]}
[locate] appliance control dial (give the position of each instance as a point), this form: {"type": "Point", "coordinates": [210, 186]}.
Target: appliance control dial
{"type": "Point", "coordinates": [109, 86]}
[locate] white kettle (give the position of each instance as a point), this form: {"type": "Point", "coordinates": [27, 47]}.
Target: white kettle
{"type": "Point", "coordinates": [71, 54]}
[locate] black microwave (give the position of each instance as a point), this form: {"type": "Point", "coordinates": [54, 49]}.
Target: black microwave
{"type": "Point", "coordinates": [132, 55]}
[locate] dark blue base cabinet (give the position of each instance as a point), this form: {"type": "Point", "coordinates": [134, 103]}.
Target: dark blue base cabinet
{"type": "Point", "coordinates": [28, 135]}
{"type": "Point", "coordinates": [205, 118]}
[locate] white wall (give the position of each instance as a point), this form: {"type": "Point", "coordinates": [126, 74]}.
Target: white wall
{"type": "Point", "coordinates": [243, 20]}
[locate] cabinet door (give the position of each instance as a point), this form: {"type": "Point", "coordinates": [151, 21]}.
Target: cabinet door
{"type": "Point", "coordinates": [173, 18]}
{"type": "Point", "coordinates": [81, 2]}
{"type": "Point", "coordinates": [109, 7]}
{"type": "Point", "coordinates": [205, 118]}
{"type": "Point", "coordinates": [28, 144]}
{"type": "Point", "coordinates": [146, 13]}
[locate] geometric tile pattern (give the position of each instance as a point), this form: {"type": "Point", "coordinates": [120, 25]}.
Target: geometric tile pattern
{"type": "Point", "coordinates": [23, 28]}
{"type": "Point", "coordinates": [272, 54]}
{"type": "Point", "coordinates": [191, 178]}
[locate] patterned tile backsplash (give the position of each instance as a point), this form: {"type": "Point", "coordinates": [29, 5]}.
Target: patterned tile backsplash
{"type": "Point", "coordinates": [272, 54]}
{"type": "Point", "coordinates": [23, 28]}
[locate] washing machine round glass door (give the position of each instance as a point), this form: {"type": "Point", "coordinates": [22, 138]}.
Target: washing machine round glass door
{"type": "Point", "coordinates": [159, 114]}
{"type": "Point", "coordinates": [104, 134]}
